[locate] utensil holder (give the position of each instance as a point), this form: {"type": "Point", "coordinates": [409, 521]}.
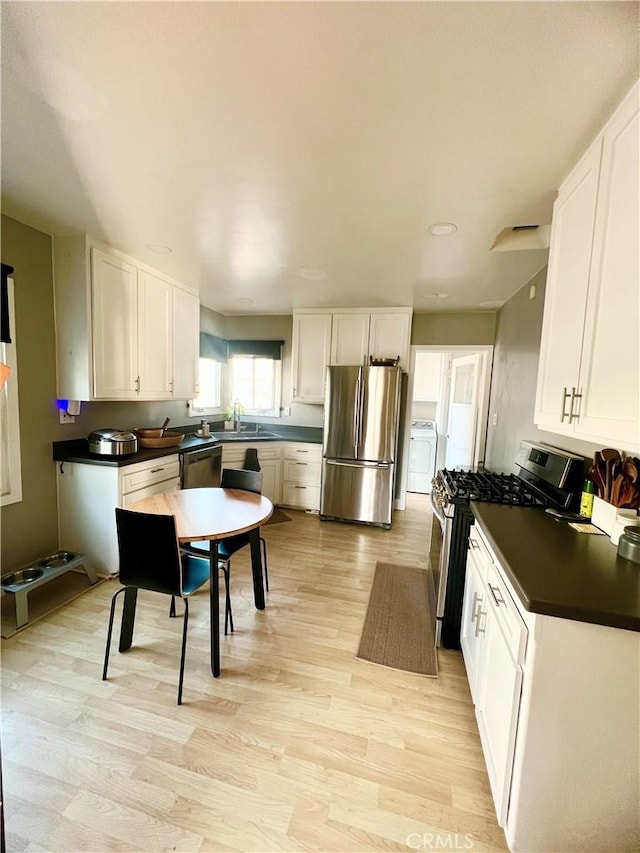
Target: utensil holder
{"type": "Point", "coordinates": [603, 515]}
{"type": "Point", "coordinates": [610, 519]}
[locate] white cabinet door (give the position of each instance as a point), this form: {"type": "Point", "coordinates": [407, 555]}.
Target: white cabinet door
{"type": "Point", "coordinates": [350, 338]}
{"type": "Point", "coordinates": [566, 293]}
{"type": "Point", "coordinates": [610, 370]}
{"type": "Point", "coordinates": [114, 289]}
{"type": "Point", "coordinates": [310, 356]}
{"type": "Point", "coordinates": [474, 614]}
{"type": "Point", "coordinates": [186, 344]}
{"type": "Point", "coordinates": [154, 341]}
{"type": "Point", "coordinates": [389, 336]}
{"type": "Point", "coordinates": [271, 479]}
{"type": "Point", "coordinates": [427, 380]}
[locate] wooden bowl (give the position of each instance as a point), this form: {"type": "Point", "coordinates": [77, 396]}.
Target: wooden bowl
{"type": "Point", "coordinates": [171, 440]}
{"type": "Point", "coordinates": [149, 432]}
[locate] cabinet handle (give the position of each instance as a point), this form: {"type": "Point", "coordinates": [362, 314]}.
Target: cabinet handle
{"type": "Point", "coordinates": [473, 544]}
{"type": "Point", "coordinates": [565, 414]}
{"type": "Point", "coordinates": [156, 470]}
{"type": "Point", "coordinates": [479, 614]}
{"type": "Point", "coordinates": [302, 451]}
{"type": "Point", "coordinates": [138, 384]}
{"type": "Point", "coordinates": [300, 487]}
{"type": "Point", "coordinates": [475, 607]}
{"type": "Point", "coordinates": [301, 463]}
{"type": "Point", "coordinates": [294, 391]}
{"type": "Point", "coordinates": [574, 396]}
{"type": "Point", "coordinates": [497, 600]}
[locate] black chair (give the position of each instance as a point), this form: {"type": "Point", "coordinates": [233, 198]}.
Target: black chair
{"type": "Point", "coordinates": [150, 559]}
{"type": "Point", "coordinates": [247, 481]}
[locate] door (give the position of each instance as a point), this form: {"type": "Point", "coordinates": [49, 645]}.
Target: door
{"type": "Point", "coordinates": [310, 356]}
{"type": "Point", "coordinates": [186, 344]}
{"type": "Point", "coordinates": [154, 311]}
{"type": "Point", "coordinates": [350, 339]}
{"type": "Point", "coordinates": [342, 412]}
{"type": "Point", "coordinates": [574, 215]}
{"type": "Point", "coordinates": [463, 410]}
{"type": "Point", "coordinates": [378, 418]}
{"type": "Point", "coordinates": [357, 491]}
{"type": "Point", "coordinates": [114, 293]}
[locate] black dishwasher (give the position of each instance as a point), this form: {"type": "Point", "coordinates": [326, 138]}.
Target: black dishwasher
{"type": "Point", "coordinates": [201, 468]}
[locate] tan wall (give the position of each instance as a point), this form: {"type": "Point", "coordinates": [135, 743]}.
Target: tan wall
{"type": "Point", "coordinates": [466, 328]}
{"type": "Point", "coordinates": [30, 527]}
{"type": "Point", "coordinates": [513, 386]}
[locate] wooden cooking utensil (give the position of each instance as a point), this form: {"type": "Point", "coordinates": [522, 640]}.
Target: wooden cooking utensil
{"type": "Point", "coordinates": [609, 453]}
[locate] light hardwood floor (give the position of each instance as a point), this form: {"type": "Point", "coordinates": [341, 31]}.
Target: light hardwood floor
{"type": "Point", "coordinates": [297, 746]}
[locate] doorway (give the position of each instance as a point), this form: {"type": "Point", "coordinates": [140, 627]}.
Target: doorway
{"type": "Point", "coordinates": [448, 392]}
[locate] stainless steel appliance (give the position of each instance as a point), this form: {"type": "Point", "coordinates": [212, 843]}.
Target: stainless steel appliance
{"type": "Point", "coordinates": [422, 456]}
{"type": "Point", "coordinates": [547, 478]}
{"type": "Point", "coordinates": [359, 444]}
{"type": "Point", "coordinates": [201, 468]}
{"type": "Point", "coordinates": [112, 442]}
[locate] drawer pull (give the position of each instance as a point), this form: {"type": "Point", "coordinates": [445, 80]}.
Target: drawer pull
{"type": "Point", "coordinates": [497, 600]}
{"type": "Point", "coordinates": [476, 606]}
{"type": "Point", "coordinates": [156, 470]}
{"type": "Point", "coordinates": [302, 463]}
{"type": "Point", "coordinates": [300, 487]}
{"type": "Point", "coordinates": [473, 544]}
{"type": "Point", "coordinates": [480, 630]}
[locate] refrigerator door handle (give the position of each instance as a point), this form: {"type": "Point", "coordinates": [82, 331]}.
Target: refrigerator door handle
{"type": "Point", "coordinates": [357, 464]}
{"type": "Point", "coordinates": [356, 416]}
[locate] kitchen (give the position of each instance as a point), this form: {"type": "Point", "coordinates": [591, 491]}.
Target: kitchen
{"type": "Point", "coordinates": [30, 528]}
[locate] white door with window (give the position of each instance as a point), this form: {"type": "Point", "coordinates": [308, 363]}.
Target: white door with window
{"type": "Point", "coordinates": [463, 410]}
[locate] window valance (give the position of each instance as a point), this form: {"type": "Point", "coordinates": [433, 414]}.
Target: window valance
{"type": "Point", "coordinates": [5, 329]}
{"type": "Point", "coordinates": [213, 347]}
{"type": "Point", "coordinates": [256, 349]}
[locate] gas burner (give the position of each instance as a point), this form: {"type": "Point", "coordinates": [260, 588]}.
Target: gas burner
{"type": "Point", "coordinates": [464, 486]}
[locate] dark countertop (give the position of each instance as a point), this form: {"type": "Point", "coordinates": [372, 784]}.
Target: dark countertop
{"type": "Point", "coordinates": [77, 450]}
{"type": "Point", "coordinates": [557, 571]}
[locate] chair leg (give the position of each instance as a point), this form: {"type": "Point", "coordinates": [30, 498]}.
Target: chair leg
{"type": "Point", "coordinates": [264, 562]}
{"type": "Point", "coordinates": [228, 614]}
{"type": "Point", "coordinates": [109, 632]}
{"type": "Point", "coordinates": [172, 607]}
{"type": "Point", "coordinates": [184, 649]}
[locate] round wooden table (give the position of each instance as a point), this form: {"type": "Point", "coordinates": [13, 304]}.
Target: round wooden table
{"type": "Point", "coordinates": [209, 515]}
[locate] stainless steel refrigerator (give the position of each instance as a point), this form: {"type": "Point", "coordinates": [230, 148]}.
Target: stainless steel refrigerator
{"type": "Point", "coordinates": [360, 443]}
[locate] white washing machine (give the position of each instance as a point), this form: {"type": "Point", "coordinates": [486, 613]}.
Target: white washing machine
{"type": "Point", "coordinates": [422, 456]}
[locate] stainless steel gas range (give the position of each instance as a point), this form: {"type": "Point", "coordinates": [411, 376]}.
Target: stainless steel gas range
{"type": "Point", "coordinates": [547, 478]}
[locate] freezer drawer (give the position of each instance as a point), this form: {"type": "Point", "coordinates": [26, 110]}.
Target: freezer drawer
{"type": "Point", "coordinates": [357, 491]}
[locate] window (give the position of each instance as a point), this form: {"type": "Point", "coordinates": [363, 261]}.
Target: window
{"type": "Point", "coordinates": [255, 384]}
{"type": "Point", "coordinates": [211, 376]}
{"type": "Point", "coordinates": [10, 470]}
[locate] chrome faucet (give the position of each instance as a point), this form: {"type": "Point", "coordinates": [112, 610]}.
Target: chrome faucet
{"type": "Point", "coordinates": [236, 416]}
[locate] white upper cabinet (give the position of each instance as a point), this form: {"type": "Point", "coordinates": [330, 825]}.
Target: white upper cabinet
{"type": "Point", "coordinates": [114, 294]}
{"type": "Point", "coordinates": [359, 334]}
{"type": "Point", "coordinates": [349, 336]}
{"type": "Point", "coordinates": [310, 354]}
{"type": "Point", "coordinates": [589, 370]}
{"type": "Point", "coordinates": [123, 331]}
{"type": "Point", "coordinates": [155, 336]}
{"type": "Point", "coordinates": [186, 344]}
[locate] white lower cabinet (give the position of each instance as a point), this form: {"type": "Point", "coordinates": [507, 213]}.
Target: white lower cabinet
{"type": "Point", "coordinates": [87, 498]}
{"type": "Point", "coordinates": [301, 473]}
{"type": "Point", "coordinates": [558, 714]}
{"type": "Point", "coordinates": [270, 459]}
{"type": "Point", "coordinates": [493, 639]}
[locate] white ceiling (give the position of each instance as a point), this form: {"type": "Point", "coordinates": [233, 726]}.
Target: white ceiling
{"type": "Point", "coordinates": [264, 140]}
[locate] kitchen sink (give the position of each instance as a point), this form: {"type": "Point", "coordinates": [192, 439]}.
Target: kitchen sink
{"type": "Point", "coordinates": [229, 435]}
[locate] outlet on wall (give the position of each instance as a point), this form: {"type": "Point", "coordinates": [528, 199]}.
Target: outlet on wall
{"type": "Point", "coordinates": [66, 418]}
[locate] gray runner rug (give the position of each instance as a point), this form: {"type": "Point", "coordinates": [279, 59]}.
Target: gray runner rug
{"type": "Point", "coordinates": [399, 626]}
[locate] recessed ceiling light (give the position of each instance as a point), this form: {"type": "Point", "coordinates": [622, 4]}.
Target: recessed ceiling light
{"type": "Point", "coordinates": [312, 274]}
{"type": "Point", "coordinates": [159, 248]}
{"type": "Point", "coordinates": [443, 229]}
{"type": "Point", "coordinates": [245, 300]}
{"type": "Point", "coordinates": [436, 295]}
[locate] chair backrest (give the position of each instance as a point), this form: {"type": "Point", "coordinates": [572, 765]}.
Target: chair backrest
{"type": "Point", "coordinates": [240, 478]}
{"type": "Point", "coordinates": [149, 551]}
{"type": "Point", "coordinates": [251, 462]}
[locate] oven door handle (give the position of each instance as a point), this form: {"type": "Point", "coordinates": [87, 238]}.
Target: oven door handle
{"type": "Point", "coordinates": [436, 509]}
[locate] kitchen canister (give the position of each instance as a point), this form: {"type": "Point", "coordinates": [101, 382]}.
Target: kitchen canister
{"type": "Point", "coordinates": [629, 543]}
